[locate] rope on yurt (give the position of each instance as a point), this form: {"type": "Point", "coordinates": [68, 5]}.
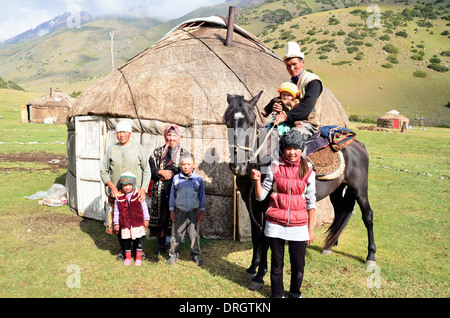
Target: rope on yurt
{"type": "Point", "coordinates": [132, 99]}
{"type": "Point", "coordinates": [225, 63]}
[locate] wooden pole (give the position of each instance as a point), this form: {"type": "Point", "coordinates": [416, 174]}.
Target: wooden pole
{"type": "Point", "coordinates": [234, 207]}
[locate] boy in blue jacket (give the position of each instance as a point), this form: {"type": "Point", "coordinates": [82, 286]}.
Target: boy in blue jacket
{"type": "Point", "coordinates": [187, 205]}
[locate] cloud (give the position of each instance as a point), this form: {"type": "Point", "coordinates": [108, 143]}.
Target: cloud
{"type": "Point", "coordinates": [19, 16]}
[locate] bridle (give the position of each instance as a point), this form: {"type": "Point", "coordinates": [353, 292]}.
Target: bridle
{"type": "Point", "coordinates": [254, 153]}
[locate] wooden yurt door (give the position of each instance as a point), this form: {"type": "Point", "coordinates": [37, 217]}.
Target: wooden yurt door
{"type": "Point", "coordinates": [396, 124]}
{"type": "Point", "coordinates": [90, 145]}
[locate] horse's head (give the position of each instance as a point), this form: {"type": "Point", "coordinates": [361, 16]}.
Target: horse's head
{"type": "Point", "coordinates": [240, 120]}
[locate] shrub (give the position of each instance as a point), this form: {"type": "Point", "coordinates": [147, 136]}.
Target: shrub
{"type": "Point", "coordinates": [390, 48]}
{"type": "Point", "coordinates": [355, 118]}
{"type": "Point", "coordinates": [385, 37]}
{"type": "Point", "coordinates": [438, 67]}
{"type": "Point", "coordinates": [359, 56]}
{"type": "Point", "coordinates": [392, 58]}
{"type": "Point", "coordinates": [435, 60]}
{"type": "Point", "coordinates": [445, 53]}
{"type": "Point", "coordinates": [417, 57]}
{"type": "Point", "coordinates": [387, 65]}
{"type": "Point", "coordinates": [420, 74]}
{"type": "Point", "coordinates": [352, 49]}
{"type": "Point", "coordinates": [323, 57]}
{"type": "Point", "coordinates": [402, 34]}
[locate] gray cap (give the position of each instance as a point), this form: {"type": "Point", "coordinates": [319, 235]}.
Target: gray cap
{"type": "Point", "coordinates": [293, 138]}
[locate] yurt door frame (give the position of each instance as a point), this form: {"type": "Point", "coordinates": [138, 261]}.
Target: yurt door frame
{"type": "Point", "coordinates": [90, 145]}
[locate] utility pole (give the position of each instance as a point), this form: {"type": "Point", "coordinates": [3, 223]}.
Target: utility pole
{"type": "Point", "coordinates": [111, 34]}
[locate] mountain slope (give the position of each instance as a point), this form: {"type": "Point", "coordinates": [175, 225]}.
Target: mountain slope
{"type": "Point", "coordinates": [339, 46]}
{"type": "Point", "coordinates": [72, 59]}
{"type": "Point", "coordinates": [351, 59]}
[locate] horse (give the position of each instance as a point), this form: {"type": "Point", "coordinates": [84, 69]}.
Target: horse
{"type": "Point", "coordinates": [344, 191]}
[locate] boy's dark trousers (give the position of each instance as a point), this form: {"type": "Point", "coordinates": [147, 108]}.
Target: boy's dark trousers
{"type": "Point", "coordinates": [186, 222]}
{"type": "Point", "coordinates": [297, 251]}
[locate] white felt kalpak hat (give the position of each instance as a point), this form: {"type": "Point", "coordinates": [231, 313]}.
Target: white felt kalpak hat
{"type": "Point", "coordinates": [124, 125]}
{"type": "Point", "coordinates": [293, 50]}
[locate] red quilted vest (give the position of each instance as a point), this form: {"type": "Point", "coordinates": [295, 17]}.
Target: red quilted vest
{"type": "Point", "coordinates": [130, 214]}
{"type": "Point", "coordinates": [287, 202]}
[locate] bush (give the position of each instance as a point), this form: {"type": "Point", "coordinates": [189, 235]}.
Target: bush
{"type": "Point", "coordinates": [390, 48]}
{"type": "Point", "coordinates": [352, 49]}
{"type": "Point", "coordinates": [445, 53]}
{"type": "Point", "coordinates": [402, 34]}
{"type": "Point", "coordinates": [417, 57]}
{"type": "Point", "coordinates": [355, 118]}
{"type": "Point", "coordinates": [392, 58]}
{"type": "Point", "coordinates": [368, 121]}
{"type": "Point", "coordinates": [323, 57]}
{"type": "Point", "coordinates": [438, 67]}
{"type": "Point", "coordinates": [435, 60]}
{"type": "Point", "coordinates": [385, 37]}
{"type": "Point", "coordinates": [359, 56]}
{"type": "Point", "coordinates": [420, 74]}
{"type": "Point", "coordinates": [387, 65]}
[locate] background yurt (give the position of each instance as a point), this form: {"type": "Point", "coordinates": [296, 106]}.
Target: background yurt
{"type": "Point", "coordinates": [50, 109]}
{"type": "Point", "coordinates": [392, 119]}
{"type": "Point", "coordinates": [183, 79]}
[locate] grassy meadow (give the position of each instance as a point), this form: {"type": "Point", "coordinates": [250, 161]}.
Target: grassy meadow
{"type": "Point", "coordinates": [50, 252]}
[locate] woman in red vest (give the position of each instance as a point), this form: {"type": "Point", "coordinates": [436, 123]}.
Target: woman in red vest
{"type": "Point", "coordinates": [291, 213]}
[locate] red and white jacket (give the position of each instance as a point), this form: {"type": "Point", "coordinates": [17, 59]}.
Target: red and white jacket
{"type": "Point", "coordinates": [287, 202]}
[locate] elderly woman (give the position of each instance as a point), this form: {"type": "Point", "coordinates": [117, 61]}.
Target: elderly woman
{"type": "Point", "coordinates": [164, 164]}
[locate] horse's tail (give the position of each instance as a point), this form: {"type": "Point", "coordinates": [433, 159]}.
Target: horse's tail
{"type": "Point", "coordinates": [343, 204]}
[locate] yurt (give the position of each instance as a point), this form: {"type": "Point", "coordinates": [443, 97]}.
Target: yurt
{"type": "Point", "coordinates": [50, 109]}
{"type": "Point", "coordinates": [183, 79]}
{"type": "Point", "coordinates": [392, 119]}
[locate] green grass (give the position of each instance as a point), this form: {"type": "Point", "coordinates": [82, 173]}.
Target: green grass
{"type": "Point", "coordinates": [40, 243]}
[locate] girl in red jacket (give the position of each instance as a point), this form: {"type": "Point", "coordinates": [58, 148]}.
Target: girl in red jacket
{"type": "Point", "coordinates": [291, 213]}
{"type": "Point", "coordinates": [130, 217]}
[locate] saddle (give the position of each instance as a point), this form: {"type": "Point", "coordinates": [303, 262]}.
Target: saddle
{"type": "Point", "coordinates": [323, 150]}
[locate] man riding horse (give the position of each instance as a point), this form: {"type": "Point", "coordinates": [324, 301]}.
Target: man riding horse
{"type": "Point", "coordinates": [310, 90]}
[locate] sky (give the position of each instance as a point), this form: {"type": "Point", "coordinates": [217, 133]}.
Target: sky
{"type": "Point", "coordinates": [19, 16]}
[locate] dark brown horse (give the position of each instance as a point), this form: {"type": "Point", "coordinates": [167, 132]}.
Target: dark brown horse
{"type": "Point", "coordinates": [351, 186]}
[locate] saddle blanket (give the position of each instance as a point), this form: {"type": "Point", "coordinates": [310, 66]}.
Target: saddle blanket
{"type": "Point", "coordinates": [328, 161]}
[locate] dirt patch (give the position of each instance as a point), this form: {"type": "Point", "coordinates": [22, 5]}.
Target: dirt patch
{"type": "Point", "coordinates": [52, 162]}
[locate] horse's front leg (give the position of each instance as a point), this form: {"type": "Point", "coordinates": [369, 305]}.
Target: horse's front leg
{"type": "Point", "coordinates": [257, 281]}
{"type": "Point", "coordinates": [250, 272]}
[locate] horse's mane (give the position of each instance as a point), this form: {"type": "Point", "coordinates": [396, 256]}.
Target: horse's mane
{"type": "Point", "coordinates": [239, 104]}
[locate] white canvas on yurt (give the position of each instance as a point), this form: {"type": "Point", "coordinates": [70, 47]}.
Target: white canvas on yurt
{"type": "Point", "coordinates": [183, 79]}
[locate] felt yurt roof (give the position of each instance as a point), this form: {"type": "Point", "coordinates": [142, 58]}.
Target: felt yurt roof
{"type": "Point", "coordinates": [393, 114]}
{"type": "Point", "coordinates": [57, 99]}
{"type": "Point", "coordinates": [185, 77]}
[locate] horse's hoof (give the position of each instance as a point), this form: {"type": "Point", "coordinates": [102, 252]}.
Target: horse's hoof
{"type": "Point", "coordinates": [327, 252]}
{"type": "Point", "coordinates": [249, 276]}
{"type": "Point", "coordinates": [371, 263]}
{"type": "Point", "coordinates": [255, 286]}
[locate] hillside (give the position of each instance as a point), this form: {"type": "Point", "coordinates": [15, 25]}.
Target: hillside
{"type": "Point", "coordinates": [5, 84]}
{"type": "Point", "coordinates": [340, 47]}
{"type": "Point", "coordinates": [73, 59]}
{"type": "Point", "coordinates": [352, 60]}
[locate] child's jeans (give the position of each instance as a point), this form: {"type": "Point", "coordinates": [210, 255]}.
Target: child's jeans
{"type": "Point", "coordinates": [186, 222]}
